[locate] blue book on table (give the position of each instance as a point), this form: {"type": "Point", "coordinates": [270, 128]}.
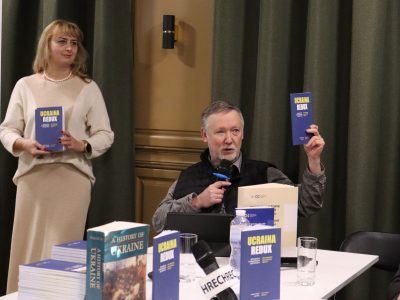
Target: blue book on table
{"type": "Point", "coordinates": [49, 122]}
{"type": "Point", "coordinates": [166, 250]}
{"type": "Point", "coordinates": [52, 279]}
{"type": "Point", "coordinates": [78, 245]}
{"type": "Point", "coordinates": [74, 251]}
{"type": "Point", "coordinates": [56, 265]}
{"type": "Point", "coordinates": [301, 116]}
{"type": "Point", "coordinates": [116, 258]}
{"type": "Point", "coordinates": [260, 263]}
{"type": "Point", "coordinates": [260, 214]}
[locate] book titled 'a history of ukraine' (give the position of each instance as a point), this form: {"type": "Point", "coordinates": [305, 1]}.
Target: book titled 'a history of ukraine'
{"type": "Point", "coordinates": [49, 122]}
{"type": "Point", "coordinates": [117, 261]}
{"type": "Point", "coordinates": [301, 116]}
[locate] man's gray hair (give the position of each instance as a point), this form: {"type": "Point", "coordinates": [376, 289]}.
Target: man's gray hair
{"type": "Point", "coordinates": [217, 107]}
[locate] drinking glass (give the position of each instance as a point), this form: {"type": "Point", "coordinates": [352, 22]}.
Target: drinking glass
{"type": "Point", "coordinates": [306, 260]}
{"type": "Point", "coordinates": [188, 262]}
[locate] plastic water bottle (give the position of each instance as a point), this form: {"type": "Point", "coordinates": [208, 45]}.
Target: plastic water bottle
{"type": "Point", "coordinates": [239, 223]}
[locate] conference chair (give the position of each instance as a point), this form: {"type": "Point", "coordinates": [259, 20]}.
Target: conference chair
{"type": "Point", "coordinates": [385, 245]}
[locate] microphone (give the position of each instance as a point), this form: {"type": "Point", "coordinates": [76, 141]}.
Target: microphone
{"type": "Point", "coordinates": [206, 260]}
{"type": "Point", "coordinates": [224, 170]}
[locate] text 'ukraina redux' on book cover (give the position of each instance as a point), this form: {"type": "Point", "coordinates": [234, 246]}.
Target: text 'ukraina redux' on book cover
{"type": "Point", "coordinates": [166, 250]}
{"type": "Point", "coordinates": [117, 261]}
{"type": "Point", "coordinates": [49, 122]}
{"type": "Point", "coordinates": [260, 262]}
{"type": "Point", "coordinates": [301, 117]}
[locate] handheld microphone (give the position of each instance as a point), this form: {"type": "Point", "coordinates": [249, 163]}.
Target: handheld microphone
{"type": "Point", "coordinates": [224, 170]}
{"type": "Point", "coordinates": [206, 260]}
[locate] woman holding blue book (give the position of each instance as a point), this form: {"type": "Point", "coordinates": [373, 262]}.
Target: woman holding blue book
{"type": "Point", "coordinates": [53, 183]}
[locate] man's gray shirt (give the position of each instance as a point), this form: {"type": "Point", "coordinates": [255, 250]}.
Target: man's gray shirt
{"type": "Point", "coordinates": [310, 195]}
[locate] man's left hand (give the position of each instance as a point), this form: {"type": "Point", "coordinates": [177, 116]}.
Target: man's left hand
{"type": "Point", "coordinates": [314, 149]}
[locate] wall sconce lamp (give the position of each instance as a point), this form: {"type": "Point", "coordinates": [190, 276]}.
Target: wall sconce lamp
{"type": "Point", "coordinates": [168, 39]}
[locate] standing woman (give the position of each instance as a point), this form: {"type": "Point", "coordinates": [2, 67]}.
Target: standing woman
{"type": "Point", "coordinates": [53, 189]}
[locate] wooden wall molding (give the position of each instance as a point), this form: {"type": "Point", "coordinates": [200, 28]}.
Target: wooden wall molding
{"type": "Point", "coordinates": [169, 138]}
{"type": "Point", "coordinates": [167, 149]}
{"type": "Point", "coordinates": [160, 157]}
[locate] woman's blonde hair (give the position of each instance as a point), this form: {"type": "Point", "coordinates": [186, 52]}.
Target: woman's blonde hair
{"type": "Point", "coordinates": [60, 27]}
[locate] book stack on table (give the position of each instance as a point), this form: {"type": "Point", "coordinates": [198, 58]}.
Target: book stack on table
{"type": "Point", "coordinates": [61, 277]}
{"type": "Point", "coordinates": [52, 280]}
{"type": "Point", "coordinates": [74, 251]}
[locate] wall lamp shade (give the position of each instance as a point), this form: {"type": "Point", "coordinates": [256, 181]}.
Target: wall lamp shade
{"type": "Point", "coordinates": [168, 40]}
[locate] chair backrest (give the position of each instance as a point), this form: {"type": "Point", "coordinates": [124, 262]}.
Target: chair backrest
{"type": "Point", "coordinates": [385, 245]}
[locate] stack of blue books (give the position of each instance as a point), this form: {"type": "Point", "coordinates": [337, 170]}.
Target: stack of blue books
{"type": "Point", "coordinates": [74, 251]}
{"type": "Point", "coordinates": [52, 280]}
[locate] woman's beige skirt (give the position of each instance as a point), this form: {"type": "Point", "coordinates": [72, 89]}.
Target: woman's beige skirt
{"type": "Point", "coordinates": [51, 208]}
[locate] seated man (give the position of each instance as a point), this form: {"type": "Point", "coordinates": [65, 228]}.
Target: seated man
{"type": "Point", "coordinates": [198, 190]}
{"type": "Point", "coordinates": [394, 287]}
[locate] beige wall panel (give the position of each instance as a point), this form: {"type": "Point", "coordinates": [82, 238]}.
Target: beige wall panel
{"type": "Point", "coordinates": [172, 86]}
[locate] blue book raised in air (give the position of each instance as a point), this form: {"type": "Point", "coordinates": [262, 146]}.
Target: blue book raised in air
{"type": "Point", "coordinates": [49, 122]}
{"type": "Point", "coordinates": [260, 262]}
{"type": "Point", "coordinates": [166, 250]}
{"type": "Point", "coordinates": [301, 116]}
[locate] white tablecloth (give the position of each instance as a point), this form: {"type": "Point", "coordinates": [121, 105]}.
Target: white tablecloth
{"type": "Point", "coordinates": [335, 270]}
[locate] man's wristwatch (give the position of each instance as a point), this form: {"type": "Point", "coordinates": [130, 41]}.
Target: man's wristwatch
{"type": "Point", "coordinates": [87, 148]}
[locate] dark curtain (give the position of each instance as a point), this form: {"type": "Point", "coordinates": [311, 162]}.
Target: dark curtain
{"type": "Point", "coordinates": [107, 26]}
{"type": "Point", "coordinates": [346, 52]}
